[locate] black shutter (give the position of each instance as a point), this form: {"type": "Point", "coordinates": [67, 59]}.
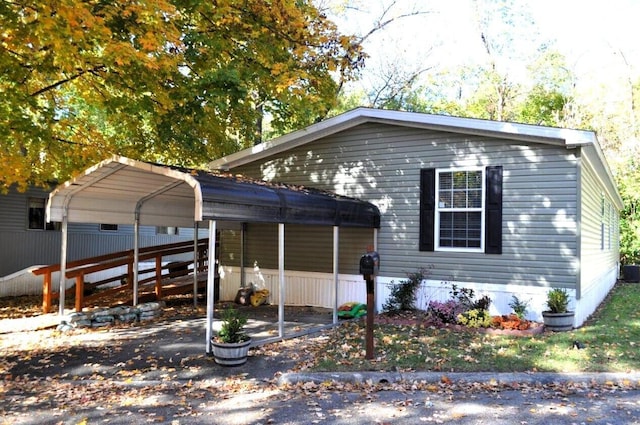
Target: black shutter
{"type": "Point", "coordinates": [427, 208]}
{"type": "Point", "coordinates": [493, 212]}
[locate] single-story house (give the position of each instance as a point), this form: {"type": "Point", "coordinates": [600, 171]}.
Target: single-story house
{"type": "Point", "coordinates": [502, 208]}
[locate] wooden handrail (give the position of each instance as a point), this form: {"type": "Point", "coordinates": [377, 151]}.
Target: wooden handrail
{"type": "Point", "coordinates": [91, 260]}
{"type": "Point", "coordinates": [79, 268]}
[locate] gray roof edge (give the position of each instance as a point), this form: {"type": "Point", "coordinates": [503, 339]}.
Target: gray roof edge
{"type": "Point", "coordinates": [570, 138]}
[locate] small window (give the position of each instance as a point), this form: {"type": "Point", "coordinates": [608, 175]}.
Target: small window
{"type": "Point", "coordinates": [164, 230]}
{"type": "Point", "coordinates": [109, 227]}
{"type": "Point", "coordinates": [36, 218]}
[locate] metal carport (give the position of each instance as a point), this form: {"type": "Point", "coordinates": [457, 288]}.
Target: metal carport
{"type": "Point", "coordinates": [120, 190]}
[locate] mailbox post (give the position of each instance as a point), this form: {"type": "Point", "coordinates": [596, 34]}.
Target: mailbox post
{"type": "Point", "coordinates": [369, 264]}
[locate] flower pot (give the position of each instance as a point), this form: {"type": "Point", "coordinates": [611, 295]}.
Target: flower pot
{"type": "Point", "coordinates": [558, 322]}
{"type": "Point", "coordinates": [230, 354]}
{"type": "Point", "coordinates": [631, 273]}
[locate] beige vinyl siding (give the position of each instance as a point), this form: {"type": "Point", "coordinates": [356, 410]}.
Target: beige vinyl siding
{"type": "Point", "coordinates": [381, 164]}
{"type": "Point", "coordinates": [307, 248]}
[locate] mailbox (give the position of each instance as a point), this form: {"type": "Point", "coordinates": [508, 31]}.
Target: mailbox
{"type": "Point", "coordinates": [367, 265]}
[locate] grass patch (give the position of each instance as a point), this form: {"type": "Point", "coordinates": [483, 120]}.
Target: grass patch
{"type": "Point", "coordinates": [610, 339]}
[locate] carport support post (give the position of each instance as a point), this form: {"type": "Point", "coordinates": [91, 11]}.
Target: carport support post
{"type": "Point", "coordinates": [336, 245]}
{"type": "Point", "coordinates": [63, 264]}
{"type": "Point", "coordinates": [281, 270]}
{"type": "Point", "coordinates": [195, 264]}
{"type": "Point", "coordinates": [243, 275]}
{"type": "Point", "coordinates": [211, 275]}
{"type": "Point", "coordinates": [136, 255]}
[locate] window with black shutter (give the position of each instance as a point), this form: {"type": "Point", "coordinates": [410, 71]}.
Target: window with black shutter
{"type": "Point", "coordinates": [461, 210]}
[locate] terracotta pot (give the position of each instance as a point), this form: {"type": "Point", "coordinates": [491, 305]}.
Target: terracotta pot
{"type": "Point", "coordinates": [558, 322]}
{"type": "Point", "coordinates": [230, 354]}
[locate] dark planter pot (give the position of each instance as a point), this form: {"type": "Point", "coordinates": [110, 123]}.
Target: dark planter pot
{"type": "Point", "coordinates": [631, 273]}
{"type": "Point", "coordinates": [558, 322]}
{"type": "Point", "coordinates": [230, 354]}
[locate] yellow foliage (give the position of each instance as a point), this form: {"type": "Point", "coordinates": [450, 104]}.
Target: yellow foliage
{"type": "Point", "coordinates": [75, 77]}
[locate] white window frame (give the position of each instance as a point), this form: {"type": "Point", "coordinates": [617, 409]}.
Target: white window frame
{"type": "Point", "coordinates": [439, 209]}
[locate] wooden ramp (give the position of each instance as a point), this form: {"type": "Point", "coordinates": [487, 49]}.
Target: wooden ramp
{"type": "Point", "coordinates": [123, 295]}
{"type": "Point", "coordinates": [168, 277]}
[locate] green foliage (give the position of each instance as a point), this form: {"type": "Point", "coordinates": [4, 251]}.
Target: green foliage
{"type": "Point", "coordinates": [557, 300]}
{"type": "Point", "coordinates": [475, 318]}
{"type": "Point", "coordinates": [543, 107]}
{"type": "Point", "coordinates": [403, 294]}
{"type": "Point", "coordinates": [232, 329]}
{"type": "Point", "coordinates": [519, 306]}
{"type": "Point", "coordinates": [467, 298]}
{"type": "Point", "coordinates": [628, 178]}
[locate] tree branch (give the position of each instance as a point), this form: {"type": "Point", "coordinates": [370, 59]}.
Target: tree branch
{"type": "Point", "coordinates": [69, 79]}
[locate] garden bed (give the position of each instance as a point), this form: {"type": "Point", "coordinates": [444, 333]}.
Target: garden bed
{"type": "Point", "coordinates": [420, 318]}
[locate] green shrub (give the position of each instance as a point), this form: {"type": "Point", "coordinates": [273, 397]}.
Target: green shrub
{"type": "Point", "coordinates": [519, 307]}
{"type": "Point", "coordinates": [403, 294]}
{"type": "Point", "coordinates": [232, 329]}
{"type": "Point", "coordinates": [557, 300]}
{"type": "Point", "coordinates": [467, 298]}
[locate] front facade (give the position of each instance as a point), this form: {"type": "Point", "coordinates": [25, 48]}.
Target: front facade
{"type": "Point", "coordinates": [505, 209]}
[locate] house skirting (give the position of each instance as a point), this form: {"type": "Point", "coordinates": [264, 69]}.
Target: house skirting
{"type": "Point", "coordinates": [317, 289]}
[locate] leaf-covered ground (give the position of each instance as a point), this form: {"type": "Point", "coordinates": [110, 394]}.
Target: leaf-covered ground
{"type": "Point", "coordinates": [608, 342]}
{"type": "Point", "coordinates": [157, 372]}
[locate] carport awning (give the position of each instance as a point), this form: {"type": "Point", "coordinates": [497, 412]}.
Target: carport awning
{"type": "Point", "coordinates": [117, 189]}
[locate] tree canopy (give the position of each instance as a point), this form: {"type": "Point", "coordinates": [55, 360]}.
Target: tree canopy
{"type": "Point", "coordinates": [174, 81]}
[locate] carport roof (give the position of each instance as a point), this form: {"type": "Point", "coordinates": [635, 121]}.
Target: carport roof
{"type": "Point", "coordinates": [115, 190]}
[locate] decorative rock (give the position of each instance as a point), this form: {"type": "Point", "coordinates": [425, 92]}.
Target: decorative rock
{"type": "Point", "coordinates": [127, 317]}
{"type": "Point", "coordinates": [78, 317]}
{"type": "Point", "coordinates": [82, 324]}
{"type": "Point", "coordinates": [101, 317]}
{"type": "Point", "coordinates": [102, 313]}
{"type": "Point", "coordinates": [150, 306]}
{"type": "Point", "coordinates": [149, 315]}
{"type": "Point", "coordinates": [64, 327]}
{"type": "Point", "coordinates": [104, 319]}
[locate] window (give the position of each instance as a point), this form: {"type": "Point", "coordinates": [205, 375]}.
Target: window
{"type": "Point", "coordinates": [468, 213]}
{"type": "Point", "coordinates": [164, 230]}
{"type": "Point", "coordinates": [607, 224]}
{"type": "Point", "coordinates": [36, 216]}
{"type": "Point", "coordinates": [459, 209]}
{"type": "Point", "coordinates": [108, 227]}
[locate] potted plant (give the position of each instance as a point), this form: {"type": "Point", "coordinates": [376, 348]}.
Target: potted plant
{"type": "Point", "coordinates": [231, 344]}
{"type": "Point", "coordinates": [558, 318]}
